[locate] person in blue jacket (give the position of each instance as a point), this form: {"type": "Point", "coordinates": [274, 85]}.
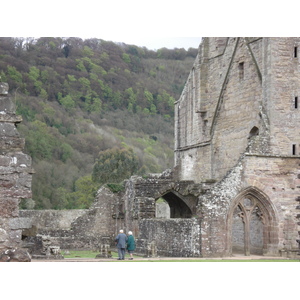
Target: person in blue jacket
{"type": "Point", "coordinates": [121, 241]}
{"type": "Point", "coordinates": [130, 244]}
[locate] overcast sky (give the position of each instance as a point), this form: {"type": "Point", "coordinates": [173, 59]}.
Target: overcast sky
{"type": "Point", "coordinates": [154, 24]}
{"type": "Point", "coordinates": [154, 43]}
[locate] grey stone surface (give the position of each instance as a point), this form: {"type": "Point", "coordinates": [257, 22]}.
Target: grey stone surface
{"type": "Point", "coordinates": [15, 181]}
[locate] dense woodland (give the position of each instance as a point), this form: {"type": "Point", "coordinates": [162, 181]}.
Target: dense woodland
{"type": "Point", "coordinates": [94, 112]}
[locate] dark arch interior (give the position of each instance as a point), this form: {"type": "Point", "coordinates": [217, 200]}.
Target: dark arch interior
{"type": "Point", "coordinates": [178, 209]}
{"type": "Point", "coordinates": [253, 132]}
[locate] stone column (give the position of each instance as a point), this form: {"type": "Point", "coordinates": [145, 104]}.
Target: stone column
{"type": "Point", "coordinates": [15, 181]}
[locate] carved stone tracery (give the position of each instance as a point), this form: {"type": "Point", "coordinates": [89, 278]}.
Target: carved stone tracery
{"type": "Point", "coordinates": [256, 213]}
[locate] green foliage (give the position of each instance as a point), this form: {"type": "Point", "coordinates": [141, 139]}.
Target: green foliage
{"type": "Point", "coordinates": [40, 143]}
{"type": "Point", "coordinates": [34, 73]}
{"type": "Point", "coordinates": [114, 165]}
{"type": "Point", "coordinates": [116, 188]}
{"type": "Point", "coordinates": [126, 58]}
{"type": "Point", "coordinates": [14, 75]}
{"type": "Point", "coordinates": [121, 76]}
{"type": "Point", "coordinates": [88, 51]}
{"type": "Point", "coordinates": [85, 192]}
{"type": "Point", "coordinates": [67, 102]}
{"type": "Point", "coordinates": [43, 94]}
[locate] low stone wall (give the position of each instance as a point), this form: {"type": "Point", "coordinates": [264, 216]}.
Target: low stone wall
{"type": "Point", "coordinates": [171, 237]}
{"type": "Point", "coordinates": [50, 219]}
{"type": "Point", "coordinates": [77, 229]}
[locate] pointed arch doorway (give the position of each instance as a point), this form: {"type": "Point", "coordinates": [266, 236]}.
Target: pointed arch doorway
{"type": "Point", "coordinates": [177, 207]}
{"type": "Point", "coordinates": [252, 225]}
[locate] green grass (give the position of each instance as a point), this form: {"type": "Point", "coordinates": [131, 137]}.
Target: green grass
{"type": "Point", "coordinates": [80, 254]}
{"type": "Point", "coordinates": [227, 260]}
{"type": "Point", "coordinates": [92, 254]}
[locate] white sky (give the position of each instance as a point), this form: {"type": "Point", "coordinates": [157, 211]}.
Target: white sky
{"type": "Point", "coordinates": [153, 24]}
{"type": "Point", "coordinates": [154, 43]}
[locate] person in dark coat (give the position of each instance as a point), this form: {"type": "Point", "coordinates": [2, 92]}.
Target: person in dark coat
{"type": "Point", "coordinates": [121, 241]}
{"type": "Point", "coordinates": [130, 244]}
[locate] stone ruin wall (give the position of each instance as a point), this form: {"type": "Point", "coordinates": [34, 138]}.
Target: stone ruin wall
{"type": "Point", "coordinates": [204, 234]}
{"type": "Point", "coordinates": [170, 237]}
{"type": "Point", "coordinates": [265, 175]}
{"type": "Point", "coordinates": [15, 181]}
{"type": "Point", "coordinates": [278, 177]}
{"type": "Point", "coordinates": [282, 86]}
{"type": "Point", "coordinates": [77, 229]}
{"type": "Point", "coordinates": [235, 85]}
{"type": "Point", "coordinates": [173, 236]}
{"type": "Point", "coordinates": [211, 129]}
{"type": "Point", "coordinates": [245, 83]}
{"type": "Point", "coordinates": [237, 109]}
{"type": "Point", "coordinates": [44, 220]}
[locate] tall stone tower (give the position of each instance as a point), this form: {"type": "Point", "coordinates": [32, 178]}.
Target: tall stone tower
{"type": "Point", "coordinates": [237, 125]}
{"type": "Point", "coordinates": [15, 180]}
{"type": "Point", "coordinates": [242, 96]}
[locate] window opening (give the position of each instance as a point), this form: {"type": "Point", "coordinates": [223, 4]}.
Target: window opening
{"type": "Point", "coordinates": [294, 149]}
{"type": "Point", "coordinates": [296, 102]}
{"type": "Point", "coordinates": [295, 51]}
{"type": "Point", "coordinates": [241, 71]}
{"type": "Point", "coordinates": [253, 132]}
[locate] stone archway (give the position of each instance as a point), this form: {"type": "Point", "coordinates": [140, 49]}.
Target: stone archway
{"type": "Point", "coordinates": [178, 207]}
{"type": "Point", "coordinates": [252, 224]}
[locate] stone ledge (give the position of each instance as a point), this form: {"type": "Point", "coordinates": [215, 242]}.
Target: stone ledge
{"type": "Point", "coordinates": [10, 117]}
{"type": "Point", "coordinates": [20, 223]}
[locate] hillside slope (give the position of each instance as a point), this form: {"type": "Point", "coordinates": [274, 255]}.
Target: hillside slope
{"type": "Point", "coordinates": [79, 98]}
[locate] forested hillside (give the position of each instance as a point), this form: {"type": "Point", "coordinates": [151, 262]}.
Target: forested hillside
{"type": "Point", "coordinates": [93, 111]}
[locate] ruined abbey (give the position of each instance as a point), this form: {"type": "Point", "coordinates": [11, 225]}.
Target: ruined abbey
{"type": "Point", "coordinates": [235, 184]}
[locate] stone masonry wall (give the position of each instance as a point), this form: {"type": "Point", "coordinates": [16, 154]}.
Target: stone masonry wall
{"type": "Point", "coordinates": [50, 219]}
{"type": "Point", "coordinates": [278, 178]}
{"type": "Point", "coordinates": [275, 177]}
{"type": "Point", "coordinates": [171, 237]}
{"type": "Point", "coordinates": [80, 229]}
{"type": "Point", "coordinates": [237, 109]}
{"type": "Point", "coordinates": [281, 87]}
{"type": "Point", "coordinates": [15, 176]}
{"type": "Point", "coordinates": [245, 111]}
{"type": "Point", "coordinates": [235, 86]}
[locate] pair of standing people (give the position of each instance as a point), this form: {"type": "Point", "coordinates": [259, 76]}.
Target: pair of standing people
{"type": "Point", "coordinates": [125, 242]}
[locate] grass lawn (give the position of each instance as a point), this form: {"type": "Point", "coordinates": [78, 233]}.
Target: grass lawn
{"type": "Point", "coordinates": [92, 254]}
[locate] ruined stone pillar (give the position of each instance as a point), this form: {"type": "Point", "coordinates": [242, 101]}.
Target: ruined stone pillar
{"type": "Point", "coordinates": [15, 181]}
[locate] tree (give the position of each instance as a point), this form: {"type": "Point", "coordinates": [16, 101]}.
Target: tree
{"type": "Point", "coordinates": [39, 142]}
{"type": "Point", "coordinates": [131, 98]}
{"type": "Point", "coordinates": [14, 74]}
{"type": "Point", "coordinates": [85, 192]}
{"type": "Point", "coordinates": [67, 102]}
{"type": "Point", "coordinates": [114, 165]}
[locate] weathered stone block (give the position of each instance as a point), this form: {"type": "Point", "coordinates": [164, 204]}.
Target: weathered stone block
{"type": "Point", "coordinates": [15, 180]}
{"type": "Point", "coordinates": [15, 255]}
{"type": "Point", "coordinates": [8, 130]}
{"type": "Point", "coordinates": [9, 208]}
{"type": "Point", "coordinates": [20, 223]}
